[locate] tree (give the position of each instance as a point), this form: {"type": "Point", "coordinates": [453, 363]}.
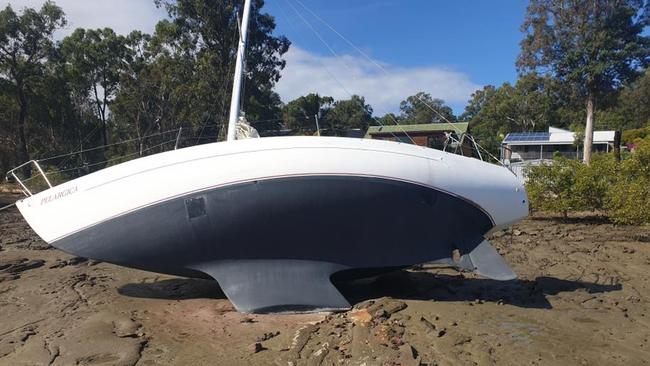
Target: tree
{"type": "Point", "coordinates": [96, 86]}
{"type": "Point", "coordinates": [96, 59]}
{"type": "Point", "coordinates": [8, 116]}
{"type": "Point", "coordinates": [421, 108]}
{"type": "Point", "coordinates": [299, 113]}
{"type": "Point", "coordinates": [25, 43]}
{"type": "Point", "coordinates": [529, 105]}
{"type": "Point", "coordinates": [264, 110]}
{"type": "Point", "coordinates": [388, 119]}
{"type": "Point", "coordinates": [594, 46]}
{"type": "Point", "coordinates": [206, 33]}
{"type": "Point", "coordinates": [479, 100]}
{"type": "Point", "coordinates": [142, 102]}
{"type": "Point", "coordinates": [634, 103]}
{"type": "Point", "coordinates": [350, 114]}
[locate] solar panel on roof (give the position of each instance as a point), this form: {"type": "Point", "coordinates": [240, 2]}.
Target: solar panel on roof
{"type": "Point", "coordinates": [527, 137]}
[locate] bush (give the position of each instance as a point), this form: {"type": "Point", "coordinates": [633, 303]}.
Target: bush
{"type": "Point", "coordinates": [551, 187]}
{"type": "Point", "coordinates": [628, 199]}
{"type": "Point", "coordinates": [632, 136]}
{"type": "Point", "coordinates": [593, 182]}
{"type": "Point", "coordinates": [621, 189]}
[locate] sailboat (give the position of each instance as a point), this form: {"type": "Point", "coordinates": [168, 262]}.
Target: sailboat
{"type": "Point", "coordinates": [273, 219]}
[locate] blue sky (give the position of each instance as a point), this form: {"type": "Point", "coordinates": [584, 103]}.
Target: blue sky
{"type": "Point", "coordinates": [479, 38]}
{"type": "Point", "coordinates": [474, 40]}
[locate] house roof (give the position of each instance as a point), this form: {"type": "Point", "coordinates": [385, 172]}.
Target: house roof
{"type": "Point", "coordinates": [555, 136]}
{"type": "Point", "coordinates": [458, 127]}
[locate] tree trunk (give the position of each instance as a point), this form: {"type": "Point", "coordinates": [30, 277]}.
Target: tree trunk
{"type": "Point", "coordinates": [589, 130]}
{"type": "Point", "coordinates": [617, 145]}
{"type": "Point", "coordinates": [22, 126]}
{"type": "Point", "coordinates": [104, 135]}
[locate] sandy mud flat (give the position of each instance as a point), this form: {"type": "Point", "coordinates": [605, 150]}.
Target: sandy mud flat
{"type": "Point", "coordinates": [581, 299]}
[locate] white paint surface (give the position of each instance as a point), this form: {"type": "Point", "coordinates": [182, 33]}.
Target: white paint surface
{"type": "Point", "coordinates": [116, 190]}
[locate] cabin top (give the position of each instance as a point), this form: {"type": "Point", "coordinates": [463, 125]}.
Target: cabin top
{"type": "Point", "coordinates": [432, 135]}
{"type": "Point", "coordinates": [458, 127]}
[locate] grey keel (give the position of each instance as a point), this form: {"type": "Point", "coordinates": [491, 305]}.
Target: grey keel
{"type": "Point", "coordinates": [260, 286]}
{"type": "Point", "coordinates": [481, 259]}
{"type": "Point", "coordinates": [485, 261]}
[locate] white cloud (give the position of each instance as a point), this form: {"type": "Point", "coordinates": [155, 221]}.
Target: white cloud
{"type": "Point", "coordinates": [121, 15]}
{"type": "Point", "coordinates": [306, 73]}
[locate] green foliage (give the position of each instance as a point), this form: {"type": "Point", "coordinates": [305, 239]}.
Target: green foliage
{"type": "Point", "coordinates": [389, 119]}
{"type": "Point", "coordinates": [552, 186]}
{"type": "Point", "coordinates": [632, 136]}
{"type": "Point", "coordinates": [25, 44]}
{"type": "Point", "coordinates": [95, 86]}
{"type": "Point", "coordinates": [300, 113]}
{"type": "Point", "coordinates": [595, 46]}
{"type": "Point", "coordinates": [95, 60]}
{"type": "Point", "coordinates": [628, 199]}
{"type": "Point", "coordinates": [630, 202]}
{"type": "Point", "coordinates": [566, 185]}
{"type": "Point", "coordinates": [622, 190]}
{"type": "Point", "coordinates": [334, 116]}
{"type": "Point", "coordinates": [634, 103]}
{"type": "Point", "coordinates": [593, 181]}
{"type": "Point", "coordinates": [204, 34]}
{"type": "Point", "coordinates": [421, 108]}
{"type": "Point", "coordinates": [350, 114]}
{"type": "Point", "coordinates": [492, 112]}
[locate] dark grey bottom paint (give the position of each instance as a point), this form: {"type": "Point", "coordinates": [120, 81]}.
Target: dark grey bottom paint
{"type": "Point", "coordinates": [273, 244]}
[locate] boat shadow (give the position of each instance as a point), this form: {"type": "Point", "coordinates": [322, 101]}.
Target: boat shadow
{"type": "Point", "coordinates": [420, 285]}
{"type": "Point", "coordinates": [402, 284]}
{"type": "Point", "coordinates": [174, 289]}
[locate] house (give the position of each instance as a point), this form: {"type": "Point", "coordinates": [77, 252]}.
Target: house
{"type": "Point", "coordinates": [523, 147]}
{"type": "Point", "coordinates": [432, 135]}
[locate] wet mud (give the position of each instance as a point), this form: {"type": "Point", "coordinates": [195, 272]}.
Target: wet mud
{"type": "Point", "coordinates": [581, 299]}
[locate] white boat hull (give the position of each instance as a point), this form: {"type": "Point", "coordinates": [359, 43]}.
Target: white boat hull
{"type": "Point", "coordinates": [272, 219]}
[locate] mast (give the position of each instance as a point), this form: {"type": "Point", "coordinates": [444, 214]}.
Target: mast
{"type": "Point", "coordinates": [235, 102]}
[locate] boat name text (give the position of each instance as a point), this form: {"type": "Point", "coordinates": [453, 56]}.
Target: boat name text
{"type": "Point", "coordinates": [58, 195]}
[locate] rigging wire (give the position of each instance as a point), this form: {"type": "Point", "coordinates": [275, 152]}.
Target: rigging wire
{"type": "Point", "coordinates": [310, 26]}
{"type": "Point", "coordinates": [7, 206]}
{"type": "Point", "coordinates": [99, 162]}
{"type": "Point", "coordinates": [104, 146]}
{"type": "Point", "coordinates": [370, 59]}
{"type": "Point", "coordinates": [305, 118]}
{"type": "Point", "coordinates": [81, 144]}
{"type": "Point", "coordinates": [236, 33]}
{"type": "Point", "coordinates": [365, 55]}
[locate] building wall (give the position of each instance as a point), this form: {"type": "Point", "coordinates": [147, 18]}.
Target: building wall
{"type": "Point", "coordinates": [536, 152]}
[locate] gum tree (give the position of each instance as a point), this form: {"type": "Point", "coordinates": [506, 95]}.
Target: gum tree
{"type": "Point", "coordinates": [96, 59]}
{"type": "Point", "coordinates": [25, 45]}
{"type": "Point", "coordinates": [594, 46]}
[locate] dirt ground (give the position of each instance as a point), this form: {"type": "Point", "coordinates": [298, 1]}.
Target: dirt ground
{"type": "Point", "coordinates": [582, 298]}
